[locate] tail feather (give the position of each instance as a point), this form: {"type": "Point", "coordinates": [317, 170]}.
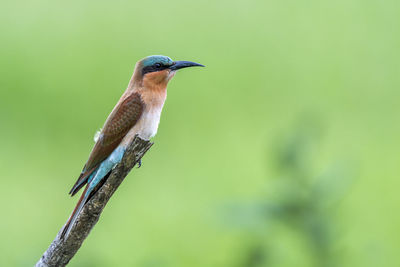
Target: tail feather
{"type": "Point", "coordinates": [87, 194]}
{"type": "Point", "coordinates": [82, 201]}
{"type": "Point", "coordinates": [94, 179]}
{"type": "Point", "coordinates": [82, 180]}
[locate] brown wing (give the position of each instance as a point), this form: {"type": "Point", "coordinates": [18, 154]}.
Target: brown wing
{"type": "Point", "coordinates": [121, 120]}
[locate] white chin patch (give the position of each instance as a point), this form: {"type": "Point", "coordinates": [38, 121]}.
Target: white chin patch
{"type": "Point", "coordinates": [171, 74]}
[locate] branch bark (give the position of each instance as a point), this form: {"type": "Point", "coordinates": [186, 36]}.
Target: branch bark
{"type": "Point", "coordinates": [61, 251]}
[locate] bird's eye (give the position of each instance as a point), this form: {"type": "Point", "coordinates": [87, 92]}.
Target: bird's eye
{"type": "Point", "coordinates": [157, 65]}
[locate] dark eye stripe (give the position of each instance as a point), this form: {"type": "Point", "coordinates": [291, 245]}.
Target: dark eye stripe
{"type": "Point", "coordinates": [153, 68]}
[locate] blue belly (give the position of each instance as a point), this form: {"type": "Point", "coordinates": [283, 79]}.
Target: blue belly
{"type": "Point", "coordinates": [105, 167]}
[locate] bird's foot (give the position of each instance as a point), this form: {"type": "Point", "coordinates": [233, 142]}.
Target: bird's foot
{"type": "Point", "coordinates": [139, 163]}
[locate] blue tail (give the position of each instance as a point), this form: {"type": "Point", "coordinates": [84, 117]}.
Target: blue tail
{"type": "Point", "coordinates": [94, 179]}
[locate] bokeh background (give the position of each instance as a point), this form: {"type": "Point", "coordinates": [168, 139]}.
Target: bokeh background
{"type": "Point", "coordinates": [283, 151]}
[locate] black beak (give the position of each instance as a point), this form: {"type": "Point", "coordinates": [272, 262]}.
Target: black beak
{"type": "Point", "coordinates": [184, 64]}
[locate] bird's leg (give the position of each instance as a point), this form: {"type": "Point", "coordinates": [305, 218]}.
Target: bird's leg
{"type": "Point", "coordinates": [139, 163]}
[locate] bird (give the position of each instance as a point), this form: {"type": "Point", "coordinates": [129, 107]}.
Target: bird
{"type": "Point", "coordinates": [138, 113]}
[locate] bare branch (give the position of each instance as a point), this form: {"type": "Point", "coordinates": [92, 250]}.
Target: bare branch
{"type": "Point", "coordinates": [61, 251]}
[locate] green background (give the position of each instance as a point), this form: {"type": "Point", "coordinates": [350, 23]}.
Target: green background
{"type": "Point", "coordinates": [283, 151]}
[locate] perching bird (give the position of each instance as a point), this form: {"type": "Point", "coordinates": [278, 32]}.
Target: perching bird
{"type": "Point", "coordinates": [136, 113]}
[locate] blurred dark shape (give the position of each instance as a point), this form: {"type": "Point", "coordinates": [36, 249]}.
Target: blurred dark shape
{"type": "Point", "coordinates": [304, 200]}
{"type": "Point", "coordinates": [256, 256]}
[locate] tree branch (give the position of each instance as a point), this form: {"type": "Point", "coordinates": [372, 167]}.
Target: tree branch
{"type": "Point", "coordinates": [61, 251]}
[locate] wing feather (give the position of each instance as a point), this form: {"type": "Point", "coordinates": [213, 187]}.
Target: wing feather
{"type": "Point", "coordinates": [123, 117]}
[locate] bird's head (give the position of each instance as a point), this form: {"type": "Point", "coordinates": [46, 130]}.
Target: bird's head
{"type": "Point", "coordinates": [158, 70]}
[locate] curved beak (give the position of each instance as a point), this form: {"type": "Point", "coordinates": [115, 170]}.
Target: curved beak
{"type": "Point", "coordinates": [184, 64]}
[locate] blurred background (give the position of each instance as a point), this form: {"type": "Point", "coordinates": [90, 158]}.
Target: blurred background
{"type": "Point", "coordinates": [283, 151]}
